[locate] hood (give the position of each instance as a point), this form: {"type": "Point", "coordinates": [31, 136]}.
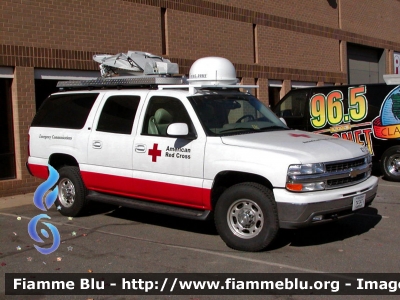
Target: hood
{"type": "Point", "coordinates": [306, 146]}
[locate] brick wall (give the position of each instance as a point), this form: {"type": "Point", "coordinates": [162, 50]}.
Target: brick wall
{"type": "Point", "coordinates": [193, 36]}
{"type": "Point", "coordinates": [262, 91]}
{"type": "Point", "coordinates": [50, 34]}
{"type": "Point", "coordinates": [288, 49]}
{"type": "Point", "coordinates": [91, 25]}
{"type": "Point", "coordinates": [380, 20]}
{"type": "Point", "coordinates": [319, 12]}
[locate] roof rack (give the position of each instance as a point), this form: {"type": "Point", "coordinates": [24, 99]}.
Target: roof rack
{"type": "Point", "coordinates": [194, 88]}
{"type": "Point", "coordinates": [121, 82]}
{"type": "Point", "coordinates": [160, 82]}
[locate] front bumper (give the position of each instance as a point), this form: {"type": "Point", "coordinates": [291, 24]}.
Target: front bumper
{"type": "Point", "coordinates": [297, 210]}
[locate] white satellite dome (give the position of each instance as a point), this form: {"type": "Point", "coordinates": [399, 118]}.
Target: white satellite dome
{"type": "Point", "coordinates": [212, 71]}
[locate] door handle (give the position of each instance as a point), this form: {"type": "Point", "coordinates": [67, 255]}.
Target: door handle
{"type": "Point", "coordinates": [140, 148]}
{"type": "Point", "coordinates": [97, 144]}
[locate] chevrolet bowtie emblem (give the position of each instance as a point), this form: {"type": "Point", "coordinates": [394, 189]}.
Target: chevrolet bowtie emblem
{"type": "Point", "coordinates": [355, 173]}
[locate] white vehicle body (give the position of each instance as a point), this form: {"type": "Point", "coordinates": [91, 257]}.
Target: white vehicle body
{"type": "Point", "coordinates": [186, 173]}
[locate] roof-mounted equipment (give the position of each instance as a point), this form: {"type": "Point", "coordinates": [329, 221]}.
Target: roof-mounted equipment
{"type": "Point", "coordinates": [134, 63]}
{"type": "Point", "coordinates": [214, 73]}
{"type": "Point", "coordinates": [207, 73]}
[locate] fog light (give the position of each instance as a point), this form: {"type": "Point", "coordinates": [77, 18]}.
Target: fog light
{"type": "Point", "coordinates": [318, 218]}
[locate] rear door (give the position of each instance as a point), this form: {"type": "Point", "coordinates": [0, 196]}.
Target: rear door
{"type": "Point", "coordinates": [110, 145]}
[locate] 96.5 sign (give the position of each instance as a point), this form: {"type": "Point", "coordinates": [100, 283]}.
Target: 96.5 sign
{"type": "Point", "coordinates": [329, 109]}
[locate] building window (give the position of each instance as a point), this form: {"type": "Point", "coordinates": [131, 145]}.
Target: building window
{"type": "Point", "coordinates": [7, 150]}
{"type": "Point", "coordinates": [43, 89]}
{"type": "Point", "coordinates": [274, 91]}
{"type": "Point", "coordinates": [274, 95]}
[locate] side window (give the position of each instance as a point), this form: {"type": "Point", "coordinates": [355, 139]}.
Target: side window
{"type": "Point", "coordinates": [163, 111]}
{"type": "Point", "coordinates": [65, 111]}
{"type": "Point", "coordinates": [118, 114]}
{"type": "Point", "coordinates": [293, 105]}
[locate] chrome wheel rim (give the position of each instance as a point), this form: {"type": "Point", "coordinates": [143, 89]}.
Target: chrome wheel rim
{"type": "Point", "coordinates": [66, 192]}
{"type": "Point", "coordinates": [393, 165]}
{"type": "Point", "coordinates": [245, 218]}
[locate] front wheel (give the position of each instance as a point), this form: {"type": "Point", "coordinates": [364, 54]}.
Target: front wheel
{"type": "Point", "coordinates": [246, 217]}
{"type": "Point", "coordinates": [390, 163]}
{"type": "Point", "coordinates": [72, 192]}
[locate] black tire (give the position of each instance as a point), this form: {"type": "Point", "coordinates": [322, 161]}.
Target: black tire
{"type": "Point", "coordinates": [390, 163]}
{"type": "Point", "coordinates": [246, 217]}
{"type": "Point", "coordinates": [71, 200]}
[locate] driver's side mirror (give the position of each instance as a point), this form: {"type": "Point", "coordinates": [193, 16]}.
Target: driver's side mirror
{"type": "Point", "coordinates": [180, 130]}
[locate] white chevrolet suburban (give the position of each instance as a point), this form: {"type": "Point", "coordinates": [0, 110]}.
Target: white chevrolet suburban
{"type": "Point", "coordinates": [196, 148]}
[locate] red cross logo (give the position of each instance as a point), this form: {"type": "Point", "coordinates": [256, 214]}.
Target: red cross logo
{"type": "Point", "coordinates": [154, 153]}
{"type": "Point", "coordinates": [300, 135]}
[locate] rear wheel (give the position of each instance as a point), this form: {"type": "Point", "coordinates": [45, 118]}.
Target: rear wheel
{"type": "Point", "coordinates": [246, 217]}
{"type": "Point", "coordinates": [71, 199]}
{"type": "Point", "coordinates": [390, 163]}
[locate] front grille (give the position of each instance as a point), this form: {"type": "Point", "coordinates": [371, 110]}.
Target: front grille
{"type": "Point", "coordinates": [337, 174]}
{"type": "Point", "coordinates": [345, 181]}
{"type": "Point", "coordinates": [345, 165]}
{"type": "Point", "coordinates": [342, 173]}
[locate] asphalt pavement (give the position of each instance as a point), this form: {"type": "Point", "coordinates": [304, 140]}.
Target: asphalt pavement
{"type": "Point", "coordinates": [111, 239]}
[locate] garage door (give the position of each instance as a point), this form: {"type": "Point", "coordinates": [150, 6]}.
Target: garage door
{"type": "Point", "coordinates": [365, 64]}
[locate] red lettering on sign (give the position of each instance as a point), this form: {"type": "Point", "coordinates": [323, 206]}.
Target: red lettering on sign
{"type": "Point", "coordinates": [154, 153]}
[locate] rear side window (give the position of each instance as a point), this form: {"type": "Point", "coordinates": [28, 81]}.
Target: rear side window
{"type": "Point", "coordinates": [65, 111]}
{"type": "Point", "coordinates": [118, 114]}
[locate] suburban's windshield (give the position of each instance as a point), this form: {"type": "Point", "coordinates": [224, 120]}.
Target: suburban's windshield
{"type": "Point", "coordinates": [234, 113]}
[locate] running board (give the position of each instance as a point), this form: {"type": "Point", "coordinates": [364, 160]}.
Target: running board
{"type": "Point", "coordinates": [177, 211]}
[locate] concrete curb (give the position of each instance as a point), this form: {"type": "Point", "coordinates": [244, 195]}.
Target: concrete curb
{"type": "Point", "coordinates": [17, 200]}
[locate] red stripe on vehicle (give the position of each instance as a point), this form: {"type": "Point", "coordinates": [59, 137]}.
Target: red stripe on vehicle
{"type": "Point", "coordinates": [39, 171]}
{"type": "Point", "coordinates": [170, 193]}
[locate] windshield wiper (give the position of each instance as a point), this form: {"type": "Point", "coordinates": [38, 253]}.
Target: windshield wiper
{"type": "Point", "coordinates": [240, 128]}
{"type": "Point", "coordinates": [251, 129]}
{"type": "Point", "coordinates": [274, 128]}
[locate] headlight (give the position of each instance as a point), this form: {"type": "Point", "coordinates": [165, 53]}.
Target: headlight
{"type": "Point", "coordinates": [309, 171]}
{"type": "Point", "coordinates": [305, 187]}
{"type": "Point", "coordinates": [306, 169]}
